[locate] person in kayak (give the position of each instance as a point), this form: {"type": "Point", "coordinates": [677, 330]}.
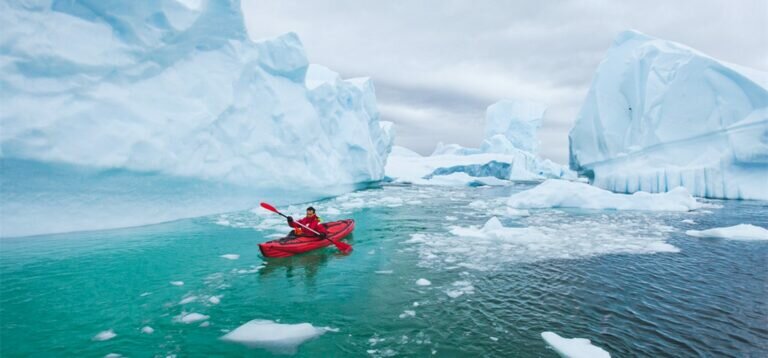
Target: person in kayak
{"type": "Point", "coordinates": [311, 221]}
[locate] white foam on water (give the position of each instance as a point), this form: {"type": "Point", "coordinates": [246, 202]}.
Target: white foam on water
{"type": "Point", "coordinates": [191, 317]}
{"type": "Point", "coordinates": [744, 232]}
{"type": "Point", "coordinates": [574, 347]}
{"type": "Point", "coordinates": [423, 282]}
{"type": "Point", "coordinates": [230, 256]}
{"type": "Point", "coordinates": [275, 337]}
{"type": "Point", "coordinates": [105, 335]}
{"type": "Point", "coordinates": [147, 330]}
{"type": "Point", "coordinates": [547, 235]}
{"type": "Point", "coordinates": [177, 283]}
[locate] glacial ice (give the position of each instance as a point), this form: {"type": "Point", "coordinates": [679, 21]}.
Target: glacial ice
{"type": "Point", "coordinates": [573, 347]}
{"type": "Point", "coordinates": [168, 107]}
{"type": "Point", "coordinates": [508, 152]}
{"type": "Point", "coordinates": [746, 232]}
{"type": "Point", "coordinates": [660, 115]}
{"type": "Point", "coordinates": [554, 193]}
{"type": "Point", "coordinates": [275, 337]}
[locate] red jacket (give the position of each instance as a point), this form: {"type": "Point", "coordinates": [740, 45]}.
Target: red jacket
{"type": "Point", "coordinates": [310, 222]}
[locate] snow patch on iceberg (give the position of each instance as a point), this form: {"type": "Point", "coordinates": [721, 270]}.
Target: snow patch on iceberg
{"type": "Point", "coordinates": [163, 94]}
{"type": "Point", "coordinates": [573, 347]}
{"type": "Point", "coordinates": [565, 194]}
{"type": "Point", "coordinates": [744, 232]}
{"type": "Point", "coordinates": [660, 115]}
{"type": "Point", "coordinates": [275, 337]}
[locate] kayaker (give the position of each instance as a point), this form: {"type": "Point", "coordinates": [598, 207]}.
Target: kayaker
{"type": "Point", "coordinates": [311, 221]}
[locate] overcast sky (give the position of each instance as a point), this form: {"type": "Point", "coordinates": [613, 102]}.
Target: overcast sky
{"type": "Point", "coordinates": [438, 64]}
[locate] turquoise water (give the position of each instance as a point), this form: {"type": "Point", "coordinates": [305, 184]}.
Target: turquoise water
{"type": "Point", "coordinates": [607, 276]}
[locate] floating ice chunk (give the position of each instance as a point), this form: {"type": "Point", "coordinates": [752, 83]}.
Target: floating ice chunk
{"type": "Point", "coordinates": [555, 193]}
{"type": "Point", "coordinates": [275, 337]}
{"type": "Point", "coordinates": [105, 335]}
{"type": "Point", "coordinates": [145, 294]}
{"type": "Point", "coordinates": [214, 300]}
{"type": "Point", "coordinates": [177, 283]}
{"type": "Point", "coordinates": [415, 304]}
{"type": "Point", "coordinates": [423, 282]}
{"type": "Point", "coordinates": [189, 299]}
{"type": "Point", "coordinates": [384, 272]}
{"type": "Point", "coordinates": [191, 317]}
{"type": "Point", "coordinates": [460, 288]}
{"type": "Point", "coordinates": [688, 221]}
{"type": "Point", "coordinates": [745, 232]}
{"type": "Point", "coordinates": [495, 339]}
{"type": "Point", "coordinates": [332, 211]}
{"type": "Point", "coordinates": [231, 256]}
{"type": "Point", "coordinates": [147, 330]}
{"type": "Point", "coordinates": [408, 313]}
{"type": "Point", "coordinates": [205, 324]}
{"type": "Point", "coordinates": [451, 218]}
{"type": "Point", "coordinates": [573, 347]}
{"type": "Point", "coordinates": [113, 355]}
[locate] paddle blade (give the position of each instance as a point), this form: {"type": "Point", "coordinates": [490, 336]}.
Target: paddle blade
{"type": "Point", "coordinates": [268, 207]}
{"type": "Point", "coordinates": [343, 247]}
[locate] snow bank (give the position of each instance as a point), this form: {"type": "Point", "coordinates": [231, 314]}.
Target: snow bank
{"type": "Point", "coordinates": [574, 347]}
{"type": "Point", "coordinates": [745, 232]}
{"type": "Point", "coordinates": [158, 105]}
{"type": "Point", "coordinates": [275, 337]}
{"type": "Point", "coordinates": [565, 194]}
{"type": "Point", "coordinates": [660, 115]}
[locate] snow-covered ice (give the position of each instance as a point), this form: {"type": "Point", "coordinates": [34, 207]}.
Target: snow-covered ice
{"type": "Point", "coordinates": [746, 232]}
{"type": "Point", "coordinates": [423, 282]}
{"type": "Point", "coordinates": [120, 104]}
{"type": "Point", "coordinates": [574, 347]}
{"type": "Point", "coordinates": [660, 115]}
{"type": "Point", "coordinates": [105, 335]}
{"type": "Point", "coordinates": [555, 193]}
{"type": "Point", "coordinates": [230, 256]}
{"type": "Point", "coordinates": [190, 317]}
{"type": "Point", "coordinates": [276, 337]}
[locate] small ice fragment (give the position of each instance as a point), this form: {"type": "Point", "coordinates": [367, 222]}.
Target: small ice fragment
{"type": "Point", "coordinates": [230, 256]}
{"type": "Point", "coordinates": [215, 300]}
{"type": "Point", "coordinates": [451, 218]}
{"type": "Point", "coordinates": [105, 335]}
{"type": "Point", "coordinates": [205, 324]}
{"type": "Point", "coordinates": [408, 313]}
{"type": "Point", "coordinates": [177, 283]}
{"type": "Point", "coordinates": [688, 221]}
{"type": "Point", "coordinates": [145, 294]}
{"type": "Point", "coordinates": [113, 355]}
{"type": "Point", "coordinates": [494, 339]}
{"type": "Point", "coordinates": [147, 330]}
{"type": "Point", "coordinates": [191, 317]}
{"type": "Point", "coordinates": [745, 232]}
{"type": "Point", "coordinates": [188, 300]}
{"type": "Point", "coordinates": [573, 347]}
{"type": "Point", "coordinates": [423, 282]}
{"type": "Point", "coordinates": [384, 272]}
{"type": "Point", "coordinates": [415, 304]}
{"type": "Point", "coordinates": [275, 337]}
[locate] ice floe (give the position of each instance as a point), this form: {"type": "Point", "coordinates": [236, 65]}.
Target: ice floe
{"type": "Point", "coordinates": [105, 335]}
{"type": "Point", "coordinates": [230, 256]}
{"type": "Point", "coordinates": [573, 347]}
{"type": "Point", "coordinates": [423, 282]}
{"type": "Point", "coordinates": [189, 299]}
{"type": "Point", "coordinates": [744, 232]}
{"type": "Point", "coordinates": [177, 283]}
{"type": "Point", "coordinates": [408, 313]}
{"type": "Point", "coordinates": [214, 300]}
{"type": "Point", "coordinates": [191, 317]}
{"type": "Point", "coordinates": [147, 330]}
{"type": "Point", "coordinates": [275, 337]}
{"type": "Point", "coordinates": [555, 193]}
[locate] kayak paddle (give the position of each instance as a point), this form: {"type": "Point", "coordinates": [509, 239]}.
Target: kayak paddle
{"type": "Point", "coordinates": [343, 247]}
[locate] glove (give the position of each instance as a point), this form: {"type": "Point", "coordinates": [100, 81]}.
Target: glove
{"type": "Point", "coordinates": [290, 220]}
{"type": "Point", "coordinates": [323, 236]}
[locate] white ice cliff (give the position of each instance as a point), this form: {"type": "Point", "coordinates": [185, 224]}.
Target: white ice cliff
{"type": "Point", "coordinates": [125, 113]}
{"type": "Point", "coordinates": [508, 152]}
{"type": "Point", "coordinates": [660, 115]}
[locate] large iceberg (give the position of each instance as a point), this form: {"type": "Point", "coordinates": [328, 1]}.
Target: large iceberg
{"type": "Point", "coordinates": [508, 152]}
{"type": "Point", "coordinates": [660, 115]}
{"type": "Point", "coordinates": [125, 113]}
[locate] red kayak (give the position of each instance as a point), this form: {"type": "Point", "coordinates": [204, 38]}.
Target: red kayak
{"type": "Point", "coordinates": [292, 244]}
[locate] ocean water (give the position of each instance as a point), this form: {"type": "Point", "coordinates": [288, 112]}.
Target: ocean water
{"type": "Point", "coordinates": [631, 282]}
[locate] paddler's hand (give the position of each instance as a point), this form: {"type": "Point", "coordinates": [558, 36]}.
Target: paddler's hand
{"type": "Point", "coordinates": [290, 220]}
{"type": "Point", "coordinates": [323, 236]}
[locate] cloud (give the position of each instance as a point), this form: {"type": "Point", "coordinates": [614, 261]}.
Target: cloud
{"type": "Point", "coordinates": [437, 65]}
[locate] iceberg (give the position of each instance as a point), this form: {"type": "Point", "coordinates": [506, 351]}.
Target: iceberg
{"type": "Point", "coordinates": [508, 152]}
{"type": "Point", "coordinates": [555, 193]}
{"type": "Point", "coordinates": [660, 115]}
{"type": "Point", "coordinates": [147, 112]}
